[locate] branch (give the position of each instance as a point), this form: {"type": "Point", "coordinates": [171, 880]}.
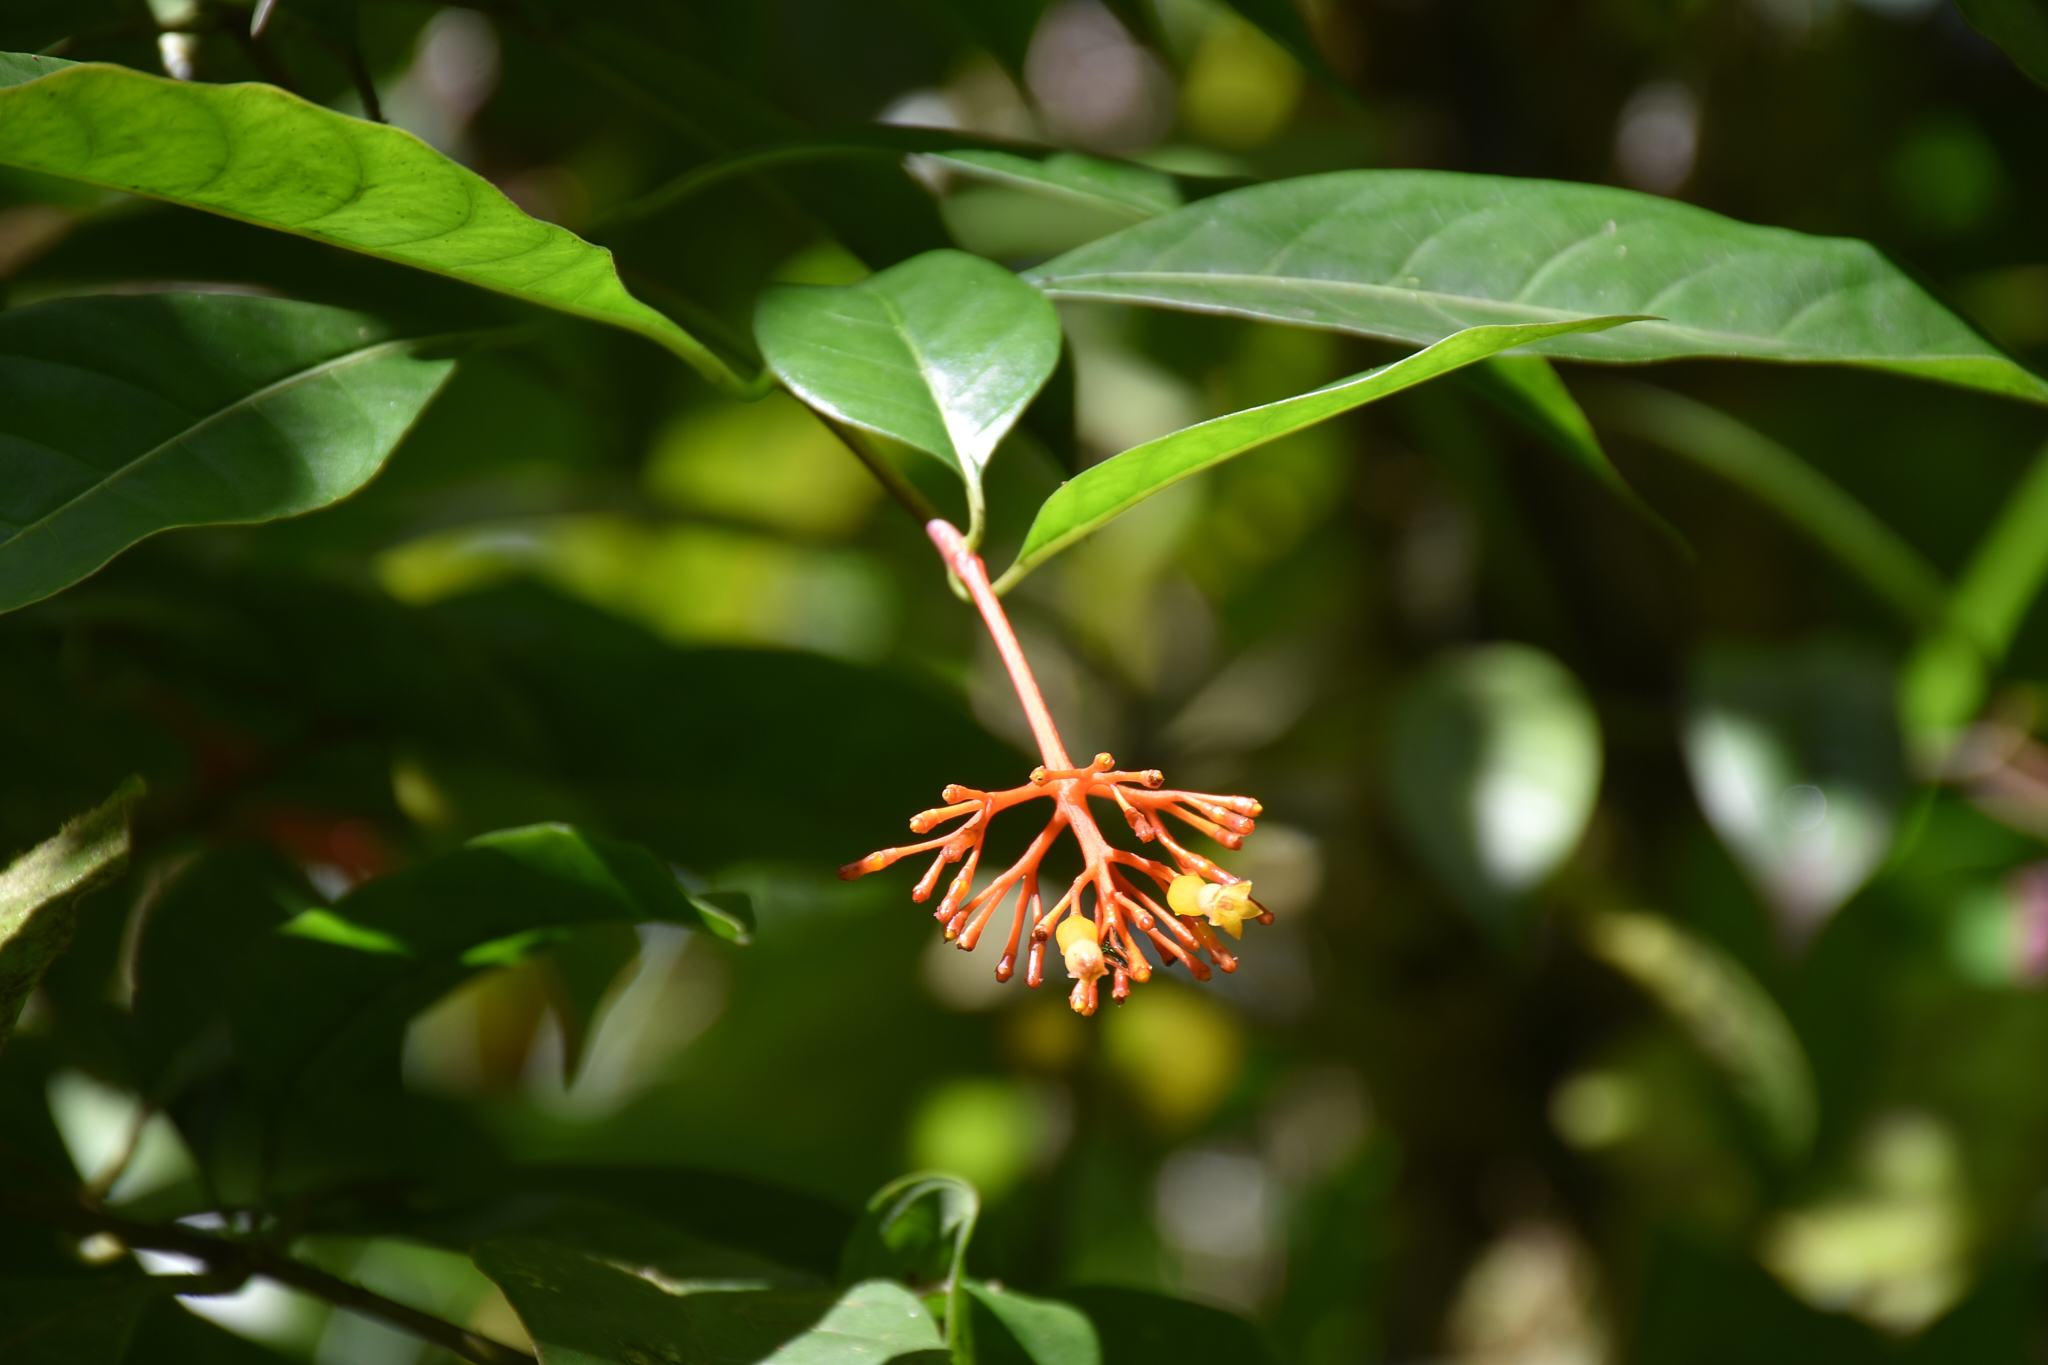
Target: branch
{"type": "Point", "coordinates": [234, 1261]}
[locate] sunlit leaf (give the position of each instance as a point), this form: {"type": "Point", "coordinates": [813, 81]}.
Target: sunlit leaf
{"type": "Point", "coordinates": [124, 417]}
{"type": "Point", "coordinates": [1728, 1016]}
{"type": "Point", "coordinates": [1944, 681]}
{"type": "Point", "coordinates": [914, 1229]}
{"type": "Point", "coordinates": [39, 890]}
{"type": "Point", "coordinates": [1494, 767]}
{"type": "Point", "coordinates": [256, 153]}
{"type": "Point", "coordinates": [941, 354]}
{"type": "Point", "coordinates": [1099, 494]}
{"type": "Point", "coordinates": [2018, 26]}
{"type": "Point", "coordinates": [17, 67]}
{"type": "Point", "coordinates": [1794, 756]}
{"type": "Point", "coordinates": [1787, 485]}
{"type": "Point", "coordinates": [1017, 1329]}
{"type": "Point", "coordinates": [1417, 255]}
{"type": "Point", "coordinates": [583, 1311]}
{"type": "Point", "coordinates": [1114, 187]}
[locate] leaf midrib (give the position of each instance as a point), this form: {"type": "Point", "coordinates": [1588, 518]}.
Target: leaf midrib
{"type": "Point", "coordinates": [245, 403]}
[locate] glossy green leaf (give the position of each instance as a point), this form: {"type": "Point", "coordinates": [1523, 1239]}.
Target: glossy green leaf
{"type": "Point", "coordinates": [1138, 1328]}
{"type": "Point", "coordinates": [256, 153]}
{"type": "Point", "coordinates": [1417, 255]}
{"type": "Point", "coordinates": [1728, 1016]}
{"type": "Point", "coordinates": [1788, 485]}
{"type": "Point", "coordinates": [124, 417]}
{"type": "Point", "coordinates": [75, 1320]}
{"type": "Point", "coordinates": [1945, 679]}
{"type": "Point", "coordinates": [1118, 188]}
{"type": "Point", "coordinates": [1099, 494]}
{"type": "Point", "coordinates": [916, 1229]}
{"type": "Point", "coordinates": [584, 1311]}
{"type": "Point", "coordinates": [942, 354]}
{"type": "Point", "coordinates": [1017, 1329]}
{"type": "Point", "coordinates": [39, 891]}
{"type": "Point", "coordinates": [328, 996]}
{"type": "Point", "coordinates": [17, 67]}
{"type": "Point", "coordinates": [2018, 26]}
{"type": "Point", "coordinates": [1494, 766]}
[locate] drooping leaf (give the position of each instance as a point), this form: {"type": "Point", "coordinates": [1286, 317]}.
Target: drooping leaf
{"type": "Point", "coordinates": [1945, 680]}
{"type": "Point", "coordinates": [1138, 1327]}
{"type": "Point", "coordinates": [915, 1229]}
{"type": "Point", "coordinates": [942, 354]}
{"type": "Point", "coordinates": [583, 1311]}
{"type": "Point", "coordinates": [39, 890]}
{"type": "Point", "coordinates": [1107, 490]}
{"type": "Point", "coordinates": [2018, 26]}
{"type": "Point", "coordinates": [1794, 756]}
{"type": "Point", "coordinates": [328, 996]}
{"type": "Point", "coordinates": [581, 970]}
{"type": "Point", "coordinates": [1788, 485]}
{"type": "Point", "coordinates": [1118, 188]}
{"type": "Point", "coordinates": [124, 417]}
{"type": "Point", "coordinates": [1017, 1329]}
{"type": "Point", "coordinates": [74, 1320]}
{"type": "Point", "coordinates": [1494, 767]}
{"type": "Point", "coordinates": [256, 153]}
{"type": "Point", "coordinates": [1416, 255]}
{"type": "Point", "coordinates": [1728, 1016]}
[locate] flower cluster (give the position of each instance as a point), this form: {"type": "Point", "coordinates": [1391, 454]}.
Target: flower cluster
{"type": "Point", "coordinates": [1098, 924]}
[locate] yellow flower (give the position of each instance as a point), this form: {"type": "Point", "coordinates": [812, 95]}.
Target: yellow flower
{"type": "Point", "coordinates": [1226, 907]}
{"type": "Point", "coordinates": [1079, 945]}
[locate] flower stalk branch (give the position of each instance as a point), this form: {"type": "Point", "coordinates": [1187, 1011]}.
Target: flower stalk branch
{"type": "Point", "coordinates": [1122, 899]}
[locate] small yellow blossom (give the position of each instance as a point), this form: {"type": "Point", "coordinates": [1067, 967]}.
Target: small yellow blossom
{"type": "Point", "coordinates": [1226, 907]}
{"type": "Point", "coordinates": [1079, 945]}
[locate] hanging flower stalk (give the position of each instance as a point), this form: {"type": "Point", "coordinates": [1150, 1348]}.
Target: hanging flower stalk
{"type": "Point", "coordinates": [1106, 912]}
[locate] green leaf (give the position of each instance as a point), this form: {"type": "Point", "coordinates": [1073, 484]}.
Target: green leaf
{"type": "Point", "coordinates": [256, 153]}
{"type": "Point", "coordinates": [19, 67]}
{"type": "Point", "coordinates": [583, 1311]}
{"type": "Point", "coordinates": [1085, 503]}
{"type": "Point", "coordinates": [74, 1320]}
{"type": "Point", "coordinates": [1017, 1329]}
{"type": "Point", "coordinates": [1945, 678]}
{"type": "Point", "coordinates": [39, 891]}
{"type": "Point", "coordinates": [124, 417]}
{"type": "Point", "coordinates": [2018, 26]}
{"type": "Point", "coordinates": [1416, 255]}
{"type": "Point", "coordinates": [1494, 767]}
{"type": "Point", "coordinates": [330, 995]}
{"type": "Point", "coordinates": [1133, 193]}
{"type": "Point", "coordinates": [942, 354]}
{"type": "Point", "coordinates": [1139, 1328]}
{"type": "Point", "coordinates": [914, 1229]}
{"type": "Point", "coordinates": [1728, 1016]}
{"type": "Point", "coordinates": [1788, 485]}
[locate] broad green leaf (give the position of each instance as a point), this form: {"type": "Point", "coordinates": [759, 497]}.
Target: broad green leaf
{"type": "Point", "coordinates": [942, 354]}
{"type": "Point", "coordinates": [1945, 679]}
{"type": "Point", "coordinates": [75, 1320]}
{"type": "Point", "coordinates": [2018, 26]}
{"type": "Point", "coordinates": [256, 153]}
{"type": "Point", "coordinates": [1138, 1327]}
{"type": "Point", "coordinates": [329, 995]}
{"type": "Point", "coordinates": [1017, 1329]}
{"type": "Point", "coordinates": [583, 1311]}
{"type": "Point", "coordinates": [1794, 756]}
{"type": "Point", "coordinates": [1493, 767]}
{"type": "Point", "coordinates": [1126, 191]}
{"type": "Point", "coordinates": [124, 417]}
{"type": "Point", "coordinates": [39, 891]}
{"type": "Point", "coordinates": [1099, 494]}
{"type": "Point", "coordinates": [1417, 255]}
{"type": "Point", "coordinates": [915, 1229]}
{"type": "Point", "coordinates": [18, 67]}
{"type": "Point", "coordinates": [1779, 479]}
{"type": "Point", "coordinates": [1728, 1016]}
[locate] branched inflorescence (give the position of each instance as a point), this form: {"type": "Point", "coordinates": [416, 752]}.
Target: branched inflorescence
{"type": "Point", "coordinates": [1105, 914]}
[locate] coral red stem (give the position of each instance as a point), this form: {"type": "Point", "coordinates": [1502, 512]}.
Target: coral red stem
{"type": "Point", "coordinates": [967, 567]}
